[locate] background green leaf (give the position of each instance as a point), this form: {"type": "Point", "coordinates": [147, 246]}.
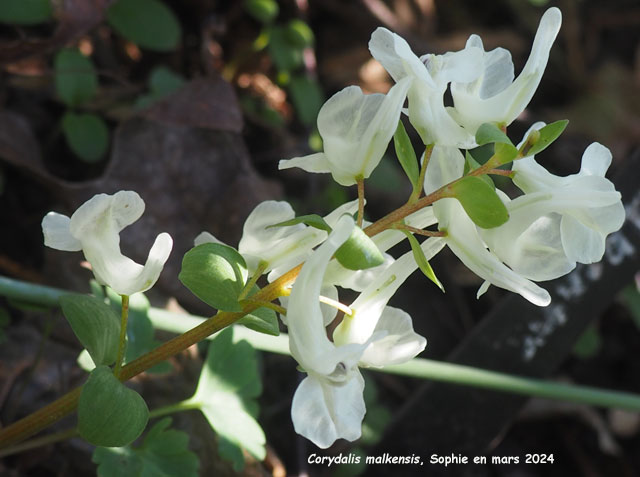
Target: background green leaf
{"type": "Point", "coordinates": [216, 274]}
{"type": "Point", "coordinates": [299, 33]}
{"type": "Point", "coordinates": [226, 394]}
{"type": "Point", "coordinates": [95, 324]}
{"type": "Point", "coordinates": [480, 202]}
{"type": "Point", "coordinates": [148, 23]}
{"type": "Point", "coordinates": [25, 12]}
{"type": "Point", "coordinates": [286, 56]}
{"type": "Point", "coordinates": [359, 252]}
{"type": "Point", "coordinates": [264, 11]}
{"type": "Point", "coordinates": [109, 413]}
{"type": "Point", "coordinates": [307, 98]}
{"type": "Point", "coordinates": [162, 82]}
{"type": "Point", "coordinates": [163, 453]}
{"type": "Point", "coordinates": [75, 77]}
{"type": "Point", "coordinates": [86, 134]}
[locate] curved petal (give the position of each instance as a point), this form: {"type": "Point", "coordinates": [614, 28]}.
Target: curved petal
{"type": "Point", "coordinates": [122, 274]}
{"type": "Point", "coordinates": [399, 342]}
{"type": "Point", "coordinates": [55, 228]}
{"type": "Point", "coordinates": [317, 162]}
{"type": "Point", "coordinates": [581, 243]}
{"type": "Point", "coordinates": [205, 237]}
{"type": "Point", "coordinates": [464, 241]}
{"type": "Point", "coordinates": [471, 110]}
{"type": "Point", "coordinates": [445, 165]}
{"type": "Point", "coordinates": [323, 412]}
{"type": "Point", "coordinates": [308, 342]}
{"type": "Point", "coordinates": [395, 55]}
{"type": "Point", "coordinates": [595, 160]}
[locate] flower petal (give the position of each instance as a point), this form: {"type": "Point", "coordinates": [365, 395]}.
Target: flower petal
{"type": "Point", "coordinates": [308, 342]}
{"type": "Point", "coordinates": [399, 343]}
{"type": "Point", "coordinates": [55, 228]}
{"type": "Point", "coordinates": [205, 237]}
{"type": "Point", "coordinates": [317, 162]}
{"type": "Point", "coordinates": [323, 412]}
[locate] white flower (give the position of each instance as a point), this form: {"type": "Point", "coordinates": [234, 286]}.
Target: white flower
{"type": "Point", "coordinates": [278, 248]}
{"type": "Point", "coordinates": [559, 220]}
{"type": "Point", "coordinates": [328, 404]}
{"type": "Point", "coordinates": [95, 229]}
{"type": "Point", "coordinates": [355, 129]}
{"type": "Point", "coordinates": [430, 76]}
{"type": "Point", "coordinates": [494, 96]}
{"type": "Point", "coordinates": [447, 164]}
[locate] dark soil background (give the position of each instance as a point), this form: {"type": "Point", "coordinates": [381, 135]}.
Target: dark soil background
{"type": "Point", "coordinates": [205, 155]}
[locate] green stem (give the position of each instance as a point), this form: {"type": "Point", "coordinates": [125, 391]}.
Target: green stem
{"type": "Point", "coordinates": [419, 368]}
{"type": "Point", "coordinates": [39, 442]}
{"type": "Point", "coordinates": [262, 266]}
{"type": "Point", "coordinates": [122, 344]}
{"type": "Point", "coordinates": [173, 408]}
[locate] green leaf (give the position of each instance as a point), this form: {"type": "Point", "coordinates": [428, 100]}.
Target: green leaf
{"type": "Point", "coordinates": [226, 394]}
{"type": "Point", "coordinates": [471, 164]}
{"type": "Point", "coordinates": [162, 82]}
{"type": "Point", "coordinates": [490, 133]}
{"type": "Point", "coordinates": [505, 153]}
{"type": "Point", "coordinates": [163, 453]}
{"type": "Point", "coordinates": [421, 260]}
{"type": "Point", "coordinates": [216, 274]}
{"type": "Point", "coordinates": [406, 155]}
{"type": "Point", "coordinates": [75, 77]}
{"type": "Point", "coordinates": [299, 34]}
{"type": "Point", "coordinates": [286, 56]}
{"type": "Point", "coordinates": [262, 320]}
{"type": "Point", "coordinates": [148, 23]}
{"type": "Point", "coordinates": [95, 324]}
{"type": "Point", "coordinates": [537, 142]}
{"type": "Point", "coordinates": [359, 252]}
{"type": "Point", "coordinates": [25, 12]}
{"type": "Point", "coordinates": [264, 11]}
{"type": "Point", "coordinates": [312, 220]}
{"type": "Point", "coordinates": [109, 413]}
{"type": "Point", "coordinates": [86, 134]}
{"type": "Point", "coordinates": [480, 202]}
{"type": "Point", "coordinates": [588, 343]}
{"type": "Point", "coordinates": [307, 98]}
{"type": "Point", "coordinates": [631, 298]}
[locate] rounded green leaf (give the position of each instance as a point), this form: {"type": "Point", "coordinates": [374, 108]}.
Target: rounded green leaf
{"type": "Point", "coordinates": [489, 132]}
{"type": "Point", "coordinates": [480, 202]}
{"type": "Point", "coordinates": [95, 324]}
{"type": "Point", "coordinates": [109, 413]}
{"type": "Point", "coordinates": [75, 77]}
{"type": "Point", "coordinates": [264, 11]}
{"type": "Point", "coordinates": [148, 23]}
{"type": "Point", "coordinates": [299, 34]}
{"type": "Point", "coordinates": [359, 252]}
{"type": "Point", "coordinates": [87, 135]}
{"type": "Point", "coordinates": [25, 12]}
{"type": "Point", "coordinates": [216, 274]}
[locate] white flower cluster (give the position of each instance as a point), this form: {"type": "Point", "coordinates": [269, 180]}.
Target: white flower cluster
{"type": "Point", "coordinates": [555, 222]}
